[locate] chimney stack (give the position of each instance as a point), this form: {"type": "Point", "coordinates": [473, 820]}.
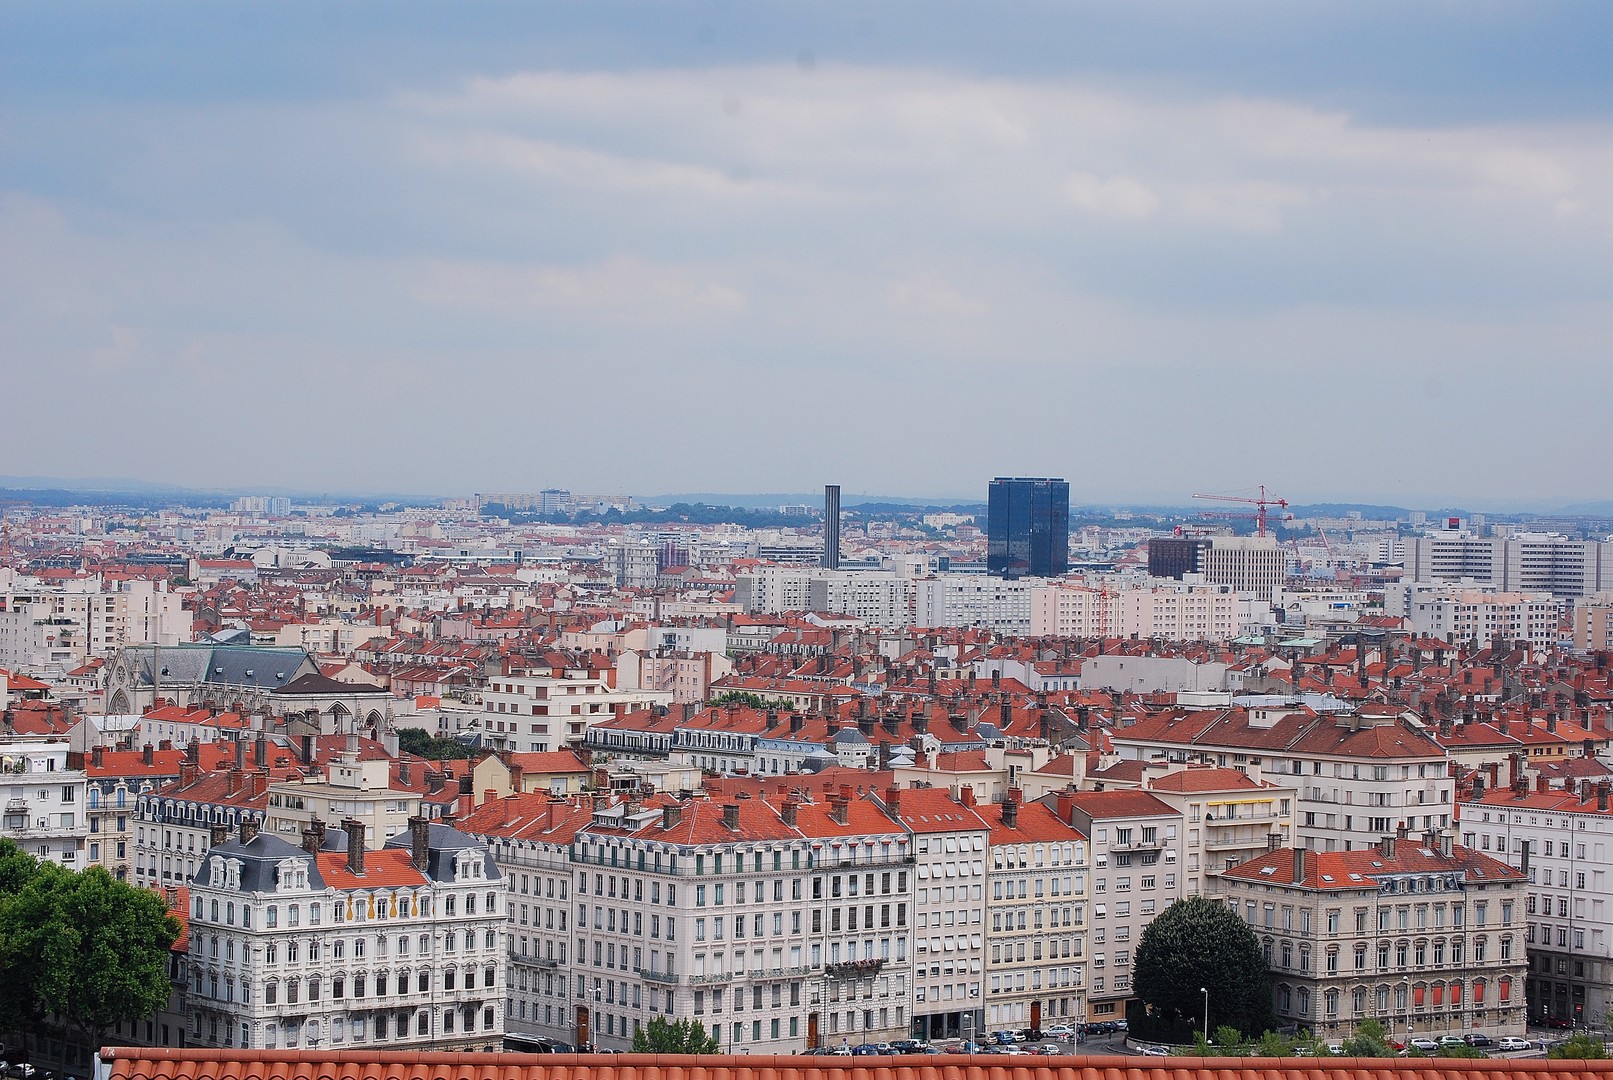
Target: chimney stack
{"type": "Point", "coordinates": [240, 755]}
{"type": "Point", "coordinates": [1603, 791]}
{"type": "Point", "coordinates": [1300, 867]}
{"type": "Point", "coordinates": [893, 799]}
{"type": "Point", "coordinates": [671, 815]}
{"type": "Point", "coordinates": [310, 841]}
{"type": "Point", "coordinates": [249, 830]}
{"type": "Point", "coordinates": [730, 816]}
{"type": "Point", "coordinates": [966, 795]}
{"type": "Point", "coordinates": [221, 834]}
{"type": "Point", "coordinates": [1011, 812]}
{"type": "Point", "coordinates": [307, 749]}
{"type": "Point", "coordinates": [839, 806]}
{"type": "Point", "coordinates": [788, 810]}
{"type": "Point", "coordinates": [355, 845]}
{"type": "Point", "coordinates": [97, 756]}
{"type": "Point", "coordinates": [260, 751]}
{"type": "Point", "coordinates": [419, 842]}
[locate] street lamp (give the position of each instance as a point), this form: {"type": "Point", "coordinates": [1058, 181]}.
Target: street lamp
{"type": "Point", "coordinates": [1206, 992]}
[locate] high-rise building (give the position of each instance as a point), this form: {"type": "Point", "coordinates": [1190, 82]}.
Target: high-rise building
{"type": "Point", "coordinates": [1028, 527]}
{"type": "Point", "coordinates": [1173, 556]}
{"type": "Point", "coordinates": [831, 526]}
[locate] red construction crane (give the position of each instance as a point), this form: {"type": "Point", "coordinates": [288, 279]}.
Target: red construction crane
{"type": "Point", "coordinates": [1262, 504]}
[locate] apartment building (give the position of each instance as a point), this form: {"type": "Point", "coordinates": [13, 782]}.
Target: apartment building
{"type": "Point", "coordinates": [43, 799]}
{"type": "Point", "coordinates": [1251, 564]}
{"type": "Point", "coordinates": [990, 603]}
{"type": "Point", "coordinates": [174, 824]}
{"type": "Point", "coordinates": [1135, 844]}
{"type": "Point", "coordinates": [1593, 623]}
{"type": "Point", "coordinates": [1228, 817]}
{"type": "Point", "coordinates": [777, 924]}
{"type": "Point", "coordinates": [1545, 562]}
{"type": "Point", "coordinates": [530, 836]}
{"type": "Point", "coordinates": [1561, 840]}
{"type": "Point", "coordinates": [351, 786]}
{"type": "Point", "coordinates": [305, 947]}
{"type": "Point", "coordinates": [1463, 615]}
{"type": "Point", "coordinates": [1170, 612]}
{"type": "Point", "coordinates": [951, 848]}
{"type": "Point", "coordinates": [536, 713]}
{"type": "Point", "coordinates": [1422, 935]}
{"type": "Point", "coordinates": [1036, 938]}
{"type": "Point", "coordinates": [1359, 774]}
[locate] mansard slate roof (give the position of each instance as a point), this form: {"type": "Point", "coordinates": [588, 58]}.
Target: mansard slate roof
{"type": "Point", "coordinates": [444, 843]}
{"type": "Point", "coordinates": [235, 665]}
{"type": "Point", "coordinates": [145, 1063]}
{"type": "Point", "coordinates": [259, 860]}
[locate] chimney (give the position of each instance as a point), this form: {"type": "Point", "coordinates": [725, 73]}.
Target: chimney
{"type": "Point", "coordinates": [1585, 790]}
{"type": "Point", "coordinates": [488, 796]}
{"type": "Point", "coordinates": [187, 773]}
{"type": "Point", "coordinates": [1447, 844]}
{"type": "Point", "coordinates": [1273, 841]}
{"type": "Point", "coordinates": [1402, 831]}
{"type": "Point", "coordinates": [730, 817]}
{"type": "Point", "coordinates": [307, 749]}
{"type": "Point", "coordinates": [193, 753]}
{"type": "Point", "coordinates": [1603, 791]}
{"type": "Point", "coordinates": [671, 814]}
{"type": "Point", "coordinates": [221, 834]}
{"type": "Point", "coordinates": [419, 842]}
{"type": "Point", "coordinates": [1542, 784]}
{"type": "Point", "coordinates": [403, 773]}
{"type": "Point", "coordinates": [1301, 863]}
{"type": "Point", "coordinates": [165, 744]}
{"type": "Point", "coordinates": [960, 723]}
{"type": "Point", "coordinates": [310, 841]}
{"type": "Point", "coordinates": [240, 755]}
{"type": "Point", "coordinates": [1011, 813]}
{"type": "Point", "coordinates": [260, 751]}
{"type": "Point", "coordinates": [788, 810]}
{"type": "Point", "coordinates": [232, 780]}
{"type": "Point", "coordinates": [966, 795]}
{"type": "Point", "coordinates": [249, 830]}
{"type": "Point", "coordinates": [892, 720]}
{"type": "Point", "coordinates": [772, 719]}
{"type": "Point", "coordinates": [921, 722]}
{"type": "Point", "coordinates": [1478, 786]}
{"type": "Point", "coordinates": [318, 826]}
{"type": "Point", "coordinates": [1005, 715]}
{"type": "Point", "coordinates": [1387, 847]}
{"type": "Point", "coordinates": [839, 807]}
{"type": "Point", "coordinates": [796, 723]}
{"type": "Point", "coordinates": [1065, 801]}
{"type": "Point", "coordinates": [97, 755]}
{"type": "Point", "coordinates": [355, 845]}
{"type": "Point", "coordinates": [893, 799]}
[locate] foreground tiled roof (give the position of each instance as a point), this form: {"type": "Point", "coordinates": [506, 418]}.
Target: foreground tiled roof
{"type": "Point", "coordinates": [143, 1063]}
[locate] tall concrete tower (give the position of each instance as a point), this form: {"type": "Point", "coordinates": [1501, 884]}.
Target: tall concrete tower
{"type": "Point", "coordinates": [831, 526]}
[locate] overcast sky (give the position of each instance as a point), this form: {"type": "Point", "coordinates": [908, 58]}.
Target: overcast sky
{"type": "Point", "coordinates": [1344, 249]}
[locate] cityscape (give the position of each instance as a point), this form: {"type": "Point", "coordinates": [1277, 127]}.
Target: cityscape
{"type": "Point", "coordinates": [884, 774]}
{"type": "Point", "coordinates": [590, 539]}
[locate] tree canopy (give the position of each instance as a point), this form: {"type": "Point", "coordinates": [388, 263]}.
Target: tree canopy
{"type": "Point", "coordinates": [677, 1037]}
{"type": "Point", "coordinates": [1199, 943]}
{"type": "Point", "coordinates": [421, 743]}
{"type": "Point", "coordinates": [82, 946]}
{"type": "Point", "coordinates": [1369, 1040]}
{"type": "Point", "coordinates": [1581, 1047]}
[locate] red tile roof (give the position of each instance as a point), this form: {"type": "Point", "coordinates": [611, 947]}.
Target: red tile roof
{"type": "Point", "coordinates": [146, 1063]}
{"type": "Point", "coordinates": [384, 868]}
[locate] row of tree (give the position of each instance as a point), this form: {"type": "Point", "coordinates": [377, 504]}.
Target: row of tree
{"type": "Point", "coordinates": [79, 948]}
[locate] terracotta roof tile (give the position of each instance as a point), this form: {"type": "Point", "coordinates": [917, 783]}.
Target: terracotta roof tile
{"type": "Point", "coordinates": [143, 1063]}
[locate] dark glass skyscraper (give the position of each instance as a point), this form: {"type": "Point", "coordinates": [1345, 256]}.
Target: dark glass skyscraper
{"type": "Point", "coordinates": [1028, 527]}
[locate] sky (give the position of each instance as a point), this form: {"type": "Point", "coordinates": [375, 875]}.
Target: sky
{"type": "Point", "coordinates": [1348, 250]}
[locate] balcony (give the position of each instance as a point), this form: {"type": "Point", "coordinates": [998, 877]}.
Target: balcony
{"type": "Point", "coordinates": [711, 977]}
{"type": "Point", "coordinates": [1138, 845]}
{"type": "Point", "coordinates": [854, 968]}
{"type": "Point", "coordinates": [659, 976]}
{"type": "Point", "coordinates": [16, 806]}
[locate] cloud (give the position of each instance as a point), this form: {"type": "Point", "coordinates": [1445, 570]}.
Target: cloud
{"type": "Point", "coordinates": [1112, 197]}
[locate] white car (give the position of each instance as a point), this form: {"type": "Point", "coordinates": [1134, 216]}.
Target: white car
{"type": "Point", "coordinates": [1427, 1046]}
{"type": "Point", "coordinates": [1058, 1031]}
{"type": "Point", "coordinates": [1153, 1051]}
{"type": "Point", "coordinates": [1512, 1042]}
{"type": "Point", "coordinates": [1336, 1049]}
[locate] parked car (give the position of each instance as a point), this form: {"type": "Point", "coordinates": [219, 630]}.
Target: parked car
{"type": "Point", "coordinates": [865, 1049]}
{"type": "Point", "coordinates": [1050, 1049]}
{"type": "Point", "coordinates": [1028, 1035]}
{"type": "Point", "coordinates": [1153, 1051]}
{"type": "Point", "coordinates": [1559, 1023]}
{"type": "Point", "coordinates": [1003, 1038]}
{"type": "Point", "coordinates": [1512, 1042]}
{"type": "Point", "coordinates": [1120, 1025]}
{"type": "Point", "coordinates": [910, 1046]}
{"type": "Point", "coordinates": [1058, 1031]}
{"type": "Point", "coordinates": [1336, 1049]}
{"type": "Point", "coordinates": [1474, 1038]}
{"type": "Point", "coordinates": [1451, 1040]}
{"type": "Point", "coordinates": [1426, 1045]}
{"type": "Point", "coordinates": [22, 1070]}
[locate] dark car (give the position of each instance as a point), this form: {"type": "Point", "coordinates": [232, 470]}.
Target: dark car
{"type": "Point", "coordinates": [1559, 1023]}
{"type": "Point", "coordinates": [1474, 1038]}
{"type": "Point", "coordinates": [864, 1049]}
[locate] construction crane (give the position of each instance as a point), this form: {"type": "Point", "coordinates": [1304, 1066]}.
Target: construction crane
{"type": "Point", "coordinates": [1262, 504]}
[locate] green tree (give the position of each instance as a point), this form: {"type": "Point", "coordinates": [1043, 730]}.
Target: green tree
{"type": "Point", "coordinates": [754, 701]}
{"type": "Point", "coordinates": [84, 947]}
{"type": "Point", "coordinates": [678, 1037]}
{"type": "Point", "coordinates": [421, 743]}
{"type": "Point", "coordinates": [1581, 1047]}
{"type": "Point", "coordinates": [1273, 1045]}
{"type": "Point", "coordinates": [1229, 1041]}
{"type": "Point", "coordinates": [1198, 943]}
{"type": "Point", "coordinates": [1369, 1041]}
{"type": "Point", "coordinates": [1461, 1051]}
